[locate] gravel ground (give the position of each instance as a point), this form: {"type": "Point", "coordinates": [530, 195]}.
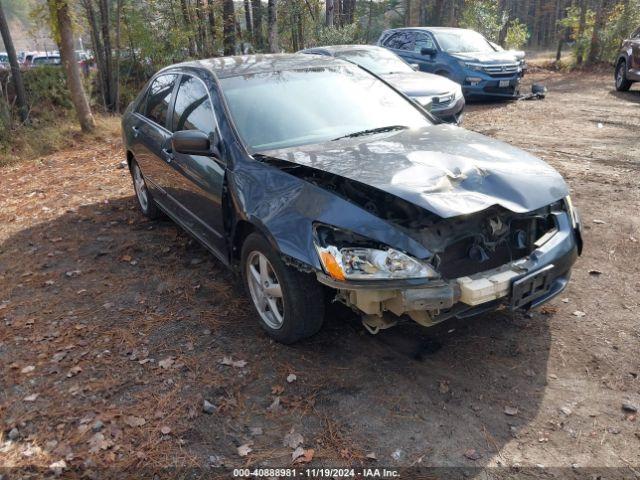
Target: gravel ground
{"type": "Point", "coordinates": [114, 330]}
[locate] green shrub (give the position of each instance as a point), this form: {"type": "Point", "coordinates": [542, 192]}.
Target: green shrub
{"type": "Point", "coordinates": [346, 35]}
{"type": "Point", "coordinates": [483, 16]}
{"type": "Point", "coordinates": [517, 35]}
{"type": "Point", "coordinates": [46, 87]}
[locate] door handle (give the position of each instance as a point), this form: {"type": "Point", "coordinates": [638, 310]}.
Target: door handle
{"type": "Point", "coordinates": [167, 154]}
{"type": "Point", "coordinates": [136, 131]}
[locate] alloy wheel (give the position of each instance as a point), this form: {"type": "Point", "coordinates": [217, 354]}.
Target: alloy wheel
{"type": "Point", "coordinates": [265, 290]}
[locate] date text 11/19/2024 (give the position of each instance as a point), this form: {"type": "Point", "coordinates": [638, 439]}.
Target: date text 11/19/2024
{"type": "Point", "coordinates": [316, 473]}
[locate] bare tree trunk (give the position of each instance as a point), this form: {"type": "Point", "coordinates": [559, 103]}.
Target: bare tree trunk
{"type": "Point", "coordinates": [60, 14]}
{"type": "Point", "coordinates": [369, 20]}
{"type": "Point", "coordinates": [329, 13]}
{"type": "Point", "coordinates": [596, 43]}
{"type": "Point", "coordinates": [116, 82]}
{"type": "Point", "coordinates": [16, 75]}
{"type": "Point", "coordinates": [186, 17]}
{"type": "Point", "coordinates": [108, 52]}
{"type": "Point", "coordinates": [248, 19]}
{"type": "Point", "coordinates": [257, 23]}
{"type": "Point", "coordinates": [97, 49]}
{"type": "Point", "coordinates": [228, 27]}
{"type": "Point", "coordinates": [581, 26]}
{"type": "Point", "coordinates": [272, 22]}
{"type": "Point", "coordinates": [212, 25]}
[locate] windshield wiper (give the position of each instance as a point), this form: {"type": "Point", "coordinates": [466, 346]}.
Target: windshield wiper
{"type": "Point", "coordinates": [371, 131]}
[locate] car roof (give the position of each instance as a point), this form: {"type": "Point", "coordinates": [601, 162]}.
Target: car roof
{"type": "Point", "coordinates": [431, 29]}
{"type": "Point", "coordinates": [224, 67]}
{"type": "Point", "coordinates": [341, 48]}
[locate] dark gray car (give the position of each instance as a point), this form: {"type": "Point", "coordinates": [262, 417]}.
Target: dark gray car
{"type": "Point", "coordinates": [628, 63]}
{"type": "Point", "coordinates": [317, 181]}
{"type": "Point", "coordinates": [442, 96]}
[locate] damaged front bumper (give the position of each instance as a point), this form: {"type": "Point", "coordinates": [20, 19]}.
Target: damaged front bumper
{"type": "Point", "coordinates": [521, 284]}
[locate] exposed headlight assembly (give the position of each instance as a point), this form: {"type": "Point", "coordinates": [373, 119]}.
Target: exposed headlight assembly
{"type": "Point", "coordinates": [573, 213]}
{"type": "Point", "coordinates": [355, 262]}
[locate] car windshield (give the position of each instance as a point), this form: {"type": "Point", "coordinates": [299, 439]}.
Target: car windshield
{"type": "Point", "coordinates": [379, 62]}
{"type": "Point", "coordinates": [287, 108]}
{"type": "Point", "coordinates": [463, 41]}
{"type": "Point", "coordinates": [46, 61]}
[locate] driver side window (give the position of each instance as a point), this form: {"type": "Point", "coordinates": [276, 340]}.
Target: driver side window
{"type": "Point", "coordinates": [193, 109]}
{"type": "Point", "coordinates": [423, 41]}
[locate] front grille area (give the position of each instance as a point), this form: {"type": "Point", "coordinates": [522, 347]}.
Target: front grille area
{"type": "Point", "coordinates": [506, 69]}
{"type": "Point", "coordinates": [485, 240]}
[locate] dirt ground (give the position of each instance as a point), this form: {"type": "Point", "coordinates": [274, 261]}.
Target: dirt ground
{"type": "Point", "coordinates": [114, 330]}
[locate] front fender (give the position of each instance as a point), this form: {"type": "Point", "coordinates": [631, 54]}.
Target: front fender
{"type": "Point", "coordinates": [285, 208]}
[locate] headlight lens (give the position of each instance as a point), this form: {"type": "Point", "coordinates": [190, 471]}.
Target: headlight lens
{"type": "Point", "coordinates": [471, 66]}
{"type": "Point", "coordinates": [358, 263]}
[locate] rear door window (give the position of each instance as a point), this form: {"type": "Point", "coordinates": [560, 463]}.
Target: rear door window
{"type": "Point", "coordinates": [400, 41]}
{"type": "Point", "coordinates": [158, 99]}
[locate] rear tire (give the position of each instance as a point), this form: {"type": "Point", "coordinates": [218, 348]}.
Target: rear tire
{"type": "Point", "coordinates": [143, 195]}
{"type": "Point", "coordinates": [289, 303]}
{"type": "Point", "coordinates": [622, 83]}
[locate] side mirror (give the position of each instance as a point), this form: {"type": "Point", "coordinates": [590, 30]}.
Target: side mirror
{"type": "Point", "coordinates": [191, 142]}
{"type": "Point", "coordinates": [415, 66]}
{"type": "Point", "coordinates": [428, 51]}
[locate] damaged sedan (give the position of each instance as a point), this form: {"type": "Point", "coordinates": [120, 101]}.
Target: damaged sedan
{"type": "Point", "coordinates": [317, 182]}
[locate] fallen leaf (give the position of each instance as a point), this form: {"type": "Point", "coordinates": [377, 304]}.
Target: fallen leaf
{"type": "Point", "coordinates": [28, 369]}
{"type": "Point", "coordinates": [275, 405]}
{"type": "Point", "coordinates": [371, 456]}
{"type": "Point", "coordinates": [233, 363]}
{"type": "Point", "coordinates": [277, 389]}
{"type": "Point", "coordinates": [443, 386]}
{"type": "Point", "coordinates": [291, 378]}
{"type": "Point", "coordinates": [134, 421]}
{"type": "Point", "coordinates": [165, 430]}
{"type": "Point", "coordinates": [302, 455]}
{"type": "Point", "coordinates": [58, 357]}
{"type": "Point", "coordinates": [98, 442]}
{"type": "Point", "coordinates": [166, 363]}
{"type": "Point", "coordinates": [245, 449]}
{"type": "Point", "coordinates": [472, 454]}
{"type": "Point", "coordinates": [125, 258]}
{"type": "Point", "coordinates": [74, 371]}
{"type": "Point", "coordinates": [292, 439]}
{"type": "Point", "coordinates": [511, 411]}
{"type": "Point", "coordinates": [579, 314]}
{"type": "Point", "coordinates": [31, 398]}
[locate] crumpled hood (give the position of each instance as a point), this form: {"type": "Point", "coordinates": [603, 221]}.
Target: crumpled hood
{"type": "Point", "coordinates": [447, 170]}
{"type": "Point", "coordinates": [416, 84]}
{"type": "Point", "coordinates": [488, 57]}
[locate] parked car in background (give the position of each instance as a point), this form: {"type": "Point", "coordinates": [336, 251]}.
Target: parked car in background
{"type": "Point", "coordinates": [628, 63]}
{"type": "Point", "coordinates": [45, 59]}
{"type": "Point", "coordinates": [4, 61]}
{"type": "Point", "coordinates": [461, 55]}
{"type": "Point", "coordinates": [319, 182]}
{"type": "Point", "coordinates": [440, 95]}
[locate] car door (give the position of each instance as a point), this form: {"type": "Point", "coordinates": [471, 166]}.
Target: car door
{"type": "Point", "coordinates": [151, 135]}
{"type": "Point", "coordinates": [426, 63]}
{"type": "Point", "coordinates": [196, 180]}
{"type": "Point", "coordinates": [635, 54]}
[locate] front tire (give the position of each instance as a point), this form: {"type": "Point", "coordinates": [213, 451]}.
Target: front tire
{"type": "Point", "coordinates": [622, 83]}
{"type": "Point", "coordinates": [289, 303]}
{"type": "Point", "coordinates": [143, 195]}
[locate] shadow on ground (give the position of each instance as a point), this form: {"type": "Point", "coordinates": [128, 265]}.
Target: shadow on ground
{"type": "Point", "coordinates": [436, 397]}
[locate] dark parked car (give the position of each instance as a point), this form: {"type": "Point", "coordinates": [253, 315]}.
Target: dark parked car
{"type": "Point", "coordinates": [628, 63]}
{"type": "Point", "coordinates": [462, 55]}
{"type": "Point", "coordinates": [440, 95]}
{"type": "Point", "coordinates": [317, 181]}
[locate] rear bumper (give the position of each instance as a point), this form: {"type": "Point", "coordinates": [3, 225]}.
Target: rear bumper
{"type": "Point", "coordinates": [430, 302]}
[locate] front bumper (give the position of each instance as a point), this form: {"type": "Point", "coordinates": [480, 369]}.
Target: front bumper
{"type": "Point", "coordinates": [479, 84]}
{"type": "Point", "coordinates": [522, 284]}
{"type": "Point", "coordinates": [451, 113]}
